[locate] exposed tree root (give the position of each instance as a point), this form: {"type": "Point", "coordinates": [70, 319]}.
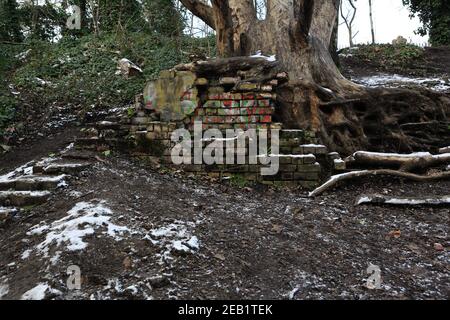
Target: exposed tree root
{"type": "Point", "coordinates": [398, 201]}
{"type": "Point", "coordinates": [404, 162]}
{"type": "Point", "coordinates": [334, 180]}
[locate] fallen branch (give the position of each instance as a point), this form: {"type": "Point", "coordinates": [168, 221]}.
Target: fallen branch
{"type": "Point", "coordinates": [405, 162]}
{"type": "Point", "coordinates": [383, 172]}
{"type": "Point", "coordinates": [379, 199]}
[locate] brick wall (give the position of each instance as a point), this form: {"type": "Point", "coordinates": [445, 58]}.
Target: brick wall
{"type": "Point", "coordinates": [179, 98]}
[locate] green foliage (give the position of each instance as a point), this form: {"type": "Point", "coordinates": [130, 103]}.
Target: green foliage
{"type": "Point", "coordinates": [9, 21]}
{"type": "Point", "coordinates": [83, 71]}
{"type": "Point", "coordinates": [389, 56]}
{"type": "Point", "coordinates": [435, 17]}
{"type": "Point", "coordinates": [8, 102]}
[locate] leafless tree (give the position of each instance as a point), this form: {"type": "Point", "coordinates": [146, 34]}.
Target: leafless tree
{"type": "Point", "coordinates": [348, 14]}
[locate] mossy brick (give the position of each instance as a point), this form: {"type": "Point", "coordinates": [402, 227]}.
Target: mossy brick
{"type": "Point", "coordinates": [286, 160]}
{"type": "Point", "coordinates": [264, 103]}
{"type": "Point", "coordinates": [239, 168]}
{"type": "Point", "coordinates": [201, 82]}
{"type": "Point", "coordinates": [229, 80]}
{"type": "Point", "coordinates": [230, 96]}
{"type": "Point", "coordinates": [288, 167]}
{"type": "Point", "coordinates": [230, 104]}
{"type": "Point", "coordinates": [265, 119]}
{"type": "Point", "coordinates": [248, 96]}
{"type": "Point", "coordinates": [136, 128]}
{"type": "Point", "coordinates": [141, 120]}
{"type": "Point", "coordinates": [200, 112]}
{"type": "Point", "coordinates": [228, 112]}
{"type": "Point", "coordinates": [286, 176]}
{"type": "Point", "coordinates": [190, 94]}
{"type": "Point", "coordinates": [305, 159]}
{"type": "Point", "coordinates": [276, 126]}
{"type": "Point", "coordinates": [306, 176]}
{"type": "Point", "coordinates": [213, 119]}
{"type": "Point", "coordinates": [157, 127]}
{"type": "Point", "coordinates": [230, 119]}
{"type": "Point", "coordinates": [309, 168]}
{"type": "Point", "coordinates": [288, 134]}
{"type": "Point", "coordinates": [249, 103]}
{"type": "Point", "coordinates": [264, 95]}
{"type": "Point", "coordinates": [167, 74]}
{"type": "Point", "coordinates": [211, 111]}
{"type": "Point", "coordinates": [213, 104]}
{"type": "Point", "coordinates": [247, 86]}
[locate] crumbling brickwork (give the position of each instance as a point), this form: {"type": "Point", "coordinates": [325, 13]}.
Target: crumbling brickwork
{"type": "Point", "coordinates": [180, 99]}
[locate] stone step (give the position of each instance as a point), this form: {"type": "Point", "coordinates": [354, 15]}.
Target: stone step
{"type": "Point", "coordinates": [6, 214]}
{"type": "Point", "coordinates": [88, 142]}
{"type": "Point", "coordinates": [79, 155]}
{"type": "Point", "coordinates": [23, 198]}
{"type": "Point", "coordinates": [105, 125]}
{"type": "Point", "coordinates": [315, 149]}
{"type": "Point", "coordinates": [32, 183]}
{"type": "Point", "coordinates": [62, 167]}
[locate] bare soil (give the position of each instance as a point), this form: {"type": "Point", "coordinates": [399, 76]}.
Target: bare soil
{"type": "Point", "coordinates": [254, 243]}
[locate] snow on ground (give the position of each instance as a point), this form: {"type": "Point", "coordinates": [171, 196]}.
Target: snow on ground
{"type": "Point", "coordinates": [394, 80]}
{"type": "Point", "coordinates": [82, 220]}
{"type": "Point", "coordinates": [174, 237]}
{"type": "Point", "coordinates": [40, 292]}
{"type": "Point", "coordinates": [4, 290]}
{"type": "Point", "coordinates": [26, 169]}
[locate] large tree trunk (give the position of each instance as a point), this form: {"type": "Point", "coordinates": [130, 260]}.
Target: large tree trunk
{"type": "Point", "coordinates": [299, 33]}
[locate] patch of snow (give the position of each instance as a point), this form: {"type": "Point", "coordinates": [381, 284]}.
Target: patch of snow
{"type": "Point", "coordinates": [260, 55]}
{"type": "Point", "coordinates": [394, 80]}
{"type": "Point", "coordinates": [81, 221]}
{"type": "Point", "coordinates": [26, 193]}
{"type": "Point", "coordinates": [26, 254]}
{"type": "Point", "coordinates": [25, 169]}
{"type": "Point", "coordinates": [39, 292]}
{"type": "Point", "coordinates": [312, 145]}
{"type": "Point", "coordinates": [291, 295]}
{"type": "Point", "coordinates": [4, 290]}
{"type": "Point", "coordinates": [174, 237]}
{"type": "Point", "coordinates": [194, 243]}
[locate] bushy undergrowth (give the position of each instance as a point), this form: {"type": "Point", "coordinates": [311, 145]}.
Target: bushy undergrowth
{"type": "Point", "coordinates": [82, 71]}
{"type": "Point", "coordinates": [387, 55]}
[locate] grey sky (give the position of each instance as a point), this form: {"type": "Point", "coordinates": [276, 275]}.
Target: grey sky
{"type": "Point", "coordinates": [391, 20]}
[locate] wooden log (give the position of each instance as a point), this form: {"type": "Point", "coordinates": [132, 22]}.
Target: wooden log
{"type": "Point", "coordinates": [405, 162]}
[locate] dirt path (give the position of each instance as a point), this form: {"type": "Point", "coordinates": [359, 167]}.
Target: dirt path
{"type": "Point", "coordinates": [39, 148]}
{"type": "Point", "coordinates": [166, 236]}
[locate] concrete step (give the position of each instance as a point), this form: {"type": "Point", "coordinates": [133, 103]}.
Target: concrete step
{"type": "Point", "coordinates": [32, 183]}
{"type": "Point", "coordinates": [61, 167]}
{"type": "Point", "coordinates": [23, 198]}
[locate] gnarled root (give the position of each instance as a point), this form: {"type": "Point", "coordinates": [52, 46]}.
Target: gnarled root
{"type": "Point", "coordinates": [334, 180]}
